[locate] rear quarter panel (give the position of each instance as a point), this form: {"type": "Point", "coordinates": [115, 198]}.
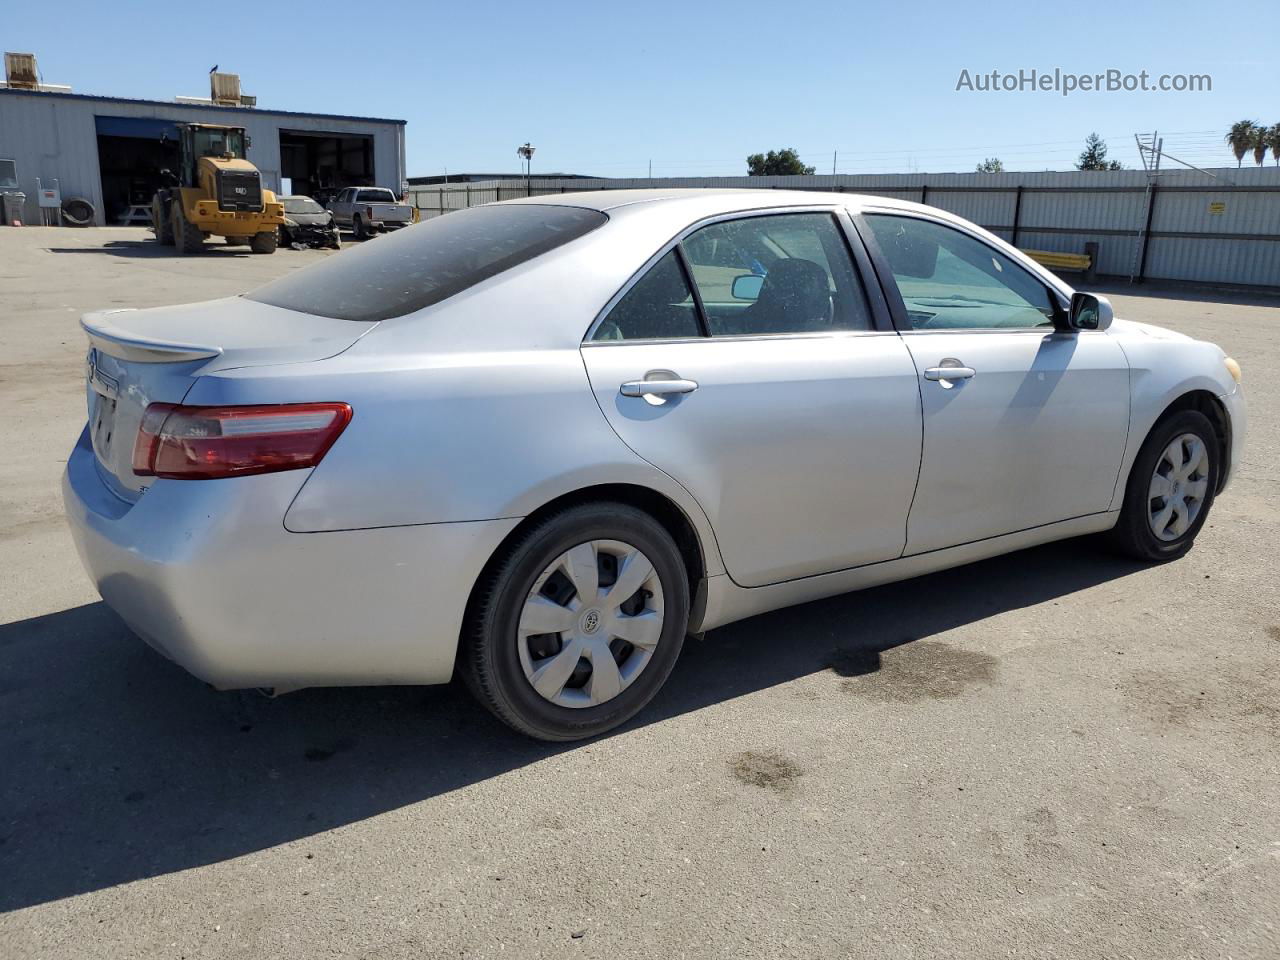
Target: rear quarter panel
{"type": "Point", "coordinates": [451, 437]}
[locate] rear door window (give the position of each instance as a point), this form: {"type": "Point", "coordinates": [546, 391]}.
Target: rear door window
{"type": "Point", "coordinates": [658, 307]}
{"type": "Point", "coordinates": [428, 262]}
{"type": "Point", "coordinates": [777, 274]}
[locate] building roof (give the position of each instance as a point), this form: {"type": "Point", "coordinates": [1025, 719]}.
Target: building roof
{"type": "Point", "coordinates": [177, 105]}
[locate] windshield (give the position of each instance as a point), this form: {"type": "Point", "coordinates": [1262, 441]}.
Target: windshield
{"type": "Point", "coordinates": [424, 264]}
{"type": "Point", "coordinates": [218, 143]}
{"type": "Point", "coordinates": [301, 205]}
{"type": "Point", "coordinates": [376, 196]}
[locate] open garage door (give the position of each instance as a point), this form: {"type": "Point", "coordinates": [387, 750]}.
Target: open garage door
{"type": "Point", "coordinates": [319, 164]}
{"type": "Point", "coordinates": [131, 153]}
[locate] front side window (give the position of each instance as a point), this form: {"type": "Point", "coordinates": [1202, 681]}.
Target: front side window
{"type": "Point", "coordinates": [428, 262]}
{"type": "Point", "coordinates": [776, 274]}
{"type": "Point", "coordinates": [950, 280]}
{"type": "Point", "coordinates": [659, 306]}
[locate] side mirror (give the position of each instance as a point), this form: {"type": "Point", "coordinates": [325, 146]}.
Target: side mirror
{"type": "Point", "coordinates": [1090, 312]}
{"type": "Point", "coordinates": [747, 286]}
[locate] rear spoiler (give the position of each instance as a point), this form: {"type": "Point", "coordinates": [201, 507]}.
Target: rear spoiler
{"type": "Point", "coordinates": [116, 342]}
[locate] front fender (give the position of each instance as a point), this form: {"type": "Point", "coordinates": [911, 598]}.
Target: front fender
{"type": "Point", "coordinates": [1161, 371]}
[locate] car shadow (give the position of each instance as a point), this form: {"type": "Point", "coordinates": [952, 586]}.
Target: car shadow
{"type": "Point", "coordinates": [119, 766]}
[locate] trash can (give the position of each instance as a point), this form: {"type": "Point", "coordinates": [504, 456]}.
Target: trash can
{"type": "Point", "coordinates": [14, 207]}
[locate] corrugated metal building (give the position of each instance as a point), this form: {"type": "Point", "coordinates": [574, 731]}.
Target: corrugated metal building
{"type": "Point", "coordinates": [1220, 226]}
{"type": "Point", "coordinates": [110, 150]}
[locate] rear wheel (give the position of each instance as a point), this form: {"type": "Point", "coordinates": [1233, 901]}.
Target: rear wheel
{"type": "Point", "coordinates": [577, 626]}
{"type": "Point", "coordinates": [264, 242]}
{"type": "Point", "coordinates": [1171, 489]}
{"type": "Point", "coordinates": [357, 226]}
{"type": "Point", "coordinates": [186, 235]}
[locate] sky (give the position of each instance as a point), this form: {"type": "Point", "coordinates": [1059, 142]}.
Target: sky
{"type": "Point", "coordinates": [689, 88]}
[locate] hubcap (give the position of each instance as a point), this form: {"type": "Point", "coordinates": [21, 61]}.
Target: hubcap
{"type": "Point", "coordinates": [1179, 486]}
{"type": "Point", "coordinates": [590, 623]}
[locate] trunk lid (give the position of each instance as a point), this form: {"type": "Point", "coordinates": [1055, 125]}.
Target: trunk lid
{"type": "Point", "coordinates": [140, 357]}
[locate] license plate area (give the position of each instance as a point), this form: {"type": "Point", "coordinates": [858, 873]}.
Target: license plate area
{"type": "Point", "coordinates": [103, 424]}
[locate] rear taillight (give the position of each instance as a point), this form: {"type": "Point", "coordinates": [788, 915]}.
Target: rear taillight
{"type": "Point", "coordinates": [369, 212]}
{"type": "Point", "coordinates": [202, 443]}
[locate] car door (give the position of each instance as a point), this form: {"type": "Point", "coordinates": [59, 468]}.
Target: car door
{"type": "Point", "coordinates": [746, 361]}
{"type": "Point", "coordinates": [341, 207]}
{"type": "Point", "coordinates": [1025, 422]}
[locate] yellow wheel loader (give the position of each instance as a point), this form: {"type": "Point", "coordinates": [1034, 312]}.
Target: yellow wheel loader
{"type": "Point", "coordinates": [215, 192]}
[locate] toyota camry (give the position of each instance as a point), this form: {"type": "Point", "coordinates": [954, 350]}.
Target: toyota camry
{"type": "Point", "coordinates": [540, 442]}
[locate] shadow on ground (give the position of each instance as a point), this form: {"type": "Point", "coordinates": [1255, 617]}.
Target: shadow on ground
{"type": "Point", "coordinates": [151, 250]}
{"type": "Point", "coordinates": [120, 766]}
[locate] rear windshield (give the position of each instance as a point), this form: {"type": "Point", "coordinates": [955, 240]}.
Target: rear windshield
{"type": "Point", "coordinates": [301, 205]}
{"type": "Point", "coordinates": [426, 263]}
{"type": "Point", "coordinates": [376, 196]}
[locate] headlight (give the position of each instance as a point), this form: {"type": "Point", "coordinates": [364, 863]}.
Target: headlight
{"type": "Point", "coordinates": [1233, 368]}
{"type": "Point", "coordinates": [289, 223]}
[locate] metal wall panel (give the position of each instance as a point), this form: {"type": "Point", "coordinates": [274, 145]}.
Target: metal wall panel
{"type": "Point", "coordinates": [55, 137]}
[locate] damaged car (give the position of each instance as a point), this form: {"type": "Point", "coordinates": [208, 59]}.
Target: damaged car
{"type": "Point", "coordinates": [307, 224]}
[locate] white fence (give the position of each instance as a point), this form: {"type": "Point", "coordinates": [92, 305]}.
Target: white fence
{"type": "Point", "coordinates": [1220, 227]}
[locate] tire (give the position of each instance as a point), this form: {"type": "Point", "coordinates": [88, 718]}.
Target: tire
{"type": "Point", "coordinates": [187, 237]}
{"type": "Point", "coordinates": [1144, 510]}
{"type": "Point", "coordinates": [357, 227]}
{"type": "Point", "coordinates": [496, 656]}
{"type": "Point", "coordinates": [163, 228]}
{"type": "Point", "coordinates": [264, 242]}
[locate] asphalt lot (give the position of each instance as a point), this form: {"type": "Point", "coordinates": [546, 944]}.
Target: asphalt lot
{"type": "Point", "coordinates": [1053, 754]}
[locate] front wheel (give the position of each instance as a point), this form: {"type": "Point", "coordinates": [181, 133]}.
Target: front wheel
{"type": "Point", "coordinates": [1171, 488]}
{"type": "Point", "coordinates": [575, 628]}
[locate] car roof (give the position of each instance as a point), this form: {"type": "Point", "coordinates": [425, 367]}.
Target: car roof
{"type": "Point", "coordinates": [713, 200]}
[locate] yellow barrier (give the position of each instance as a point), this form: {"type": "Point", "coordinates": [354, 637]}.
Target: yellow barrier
{"type": "Point", "coordinates": [1060, 261]}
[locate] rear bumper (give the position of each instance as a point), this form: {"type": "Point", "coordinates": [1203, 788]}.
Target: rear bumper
{"type": "Point", "coordinates": [205, 572]}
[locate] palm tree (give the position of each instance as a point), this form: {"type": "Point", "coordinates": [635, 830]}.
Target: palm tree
{"type": "Point", "coordinates": [1261, 141]}
{"type": "Point", "coordinates": [1240, 138]}
{"type": "Point", "coordinates": [1273, 140]}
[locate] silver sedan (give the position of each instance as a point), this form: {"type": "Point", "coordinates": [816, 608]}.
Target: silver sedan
{"type": "Point", "coordinates": [544, 440]}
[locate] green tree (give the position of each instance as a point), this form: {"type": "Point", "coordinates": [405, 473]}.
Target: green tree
{"type": "Point", "coordinates": [1261, 141]}
{"type": "Point", "coordinates": [990, 165]}
{"type": "Point", "coordinates": [1273, 139]}
{"type": "Point", "coordinates": [1094, 155]}
{"type": "Point", "coordinates": [777, 163]}
{"type": "Point", "coordinates": [1240, 138]}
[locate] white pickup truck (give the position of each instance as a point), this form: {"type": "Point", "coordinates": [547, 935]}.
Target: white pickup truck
{"type": "Point", "coordinates": [369, 210]}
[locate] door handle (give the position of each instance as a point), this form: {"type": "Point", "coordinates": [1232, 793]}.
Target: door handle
{"type": "Point", "coordinates": [949, 369]}
{"type": "Point", "coordinates": [657, 388]}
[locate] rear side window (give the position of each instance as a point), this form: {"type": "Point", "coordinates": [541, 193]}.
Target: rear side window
{"type": "Point", "coordinates": [659, 307]}
{"type": "Point", "coordinates": [427, 263]}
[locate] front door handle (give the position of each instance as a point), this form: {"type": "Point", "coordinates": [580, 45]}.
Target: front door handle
{"type": "Point", "coordinates": [657, 388]}
{"type": "Point", "coordinates": [949, 369]}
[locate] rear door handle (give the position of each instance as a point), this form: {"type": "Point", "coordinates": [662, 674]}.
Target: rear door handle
{"type": "Point", "coordinates": [950, 369]}
{"type": "Point", "coordinates": [657, 388]}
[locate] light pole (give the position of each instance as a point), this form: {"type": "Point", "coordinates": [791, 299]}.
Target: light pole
{"type": "Point", "coordinates": [525, 152]}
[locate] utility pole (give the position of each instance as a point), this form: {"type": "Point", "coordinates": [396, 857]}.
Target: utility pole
{"type": "Point", "coordinates": [650, 169]}
{"type": "Point", "coordinates": [834, 154]}
{"type": "Point", "coordinates": [525, 152]}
